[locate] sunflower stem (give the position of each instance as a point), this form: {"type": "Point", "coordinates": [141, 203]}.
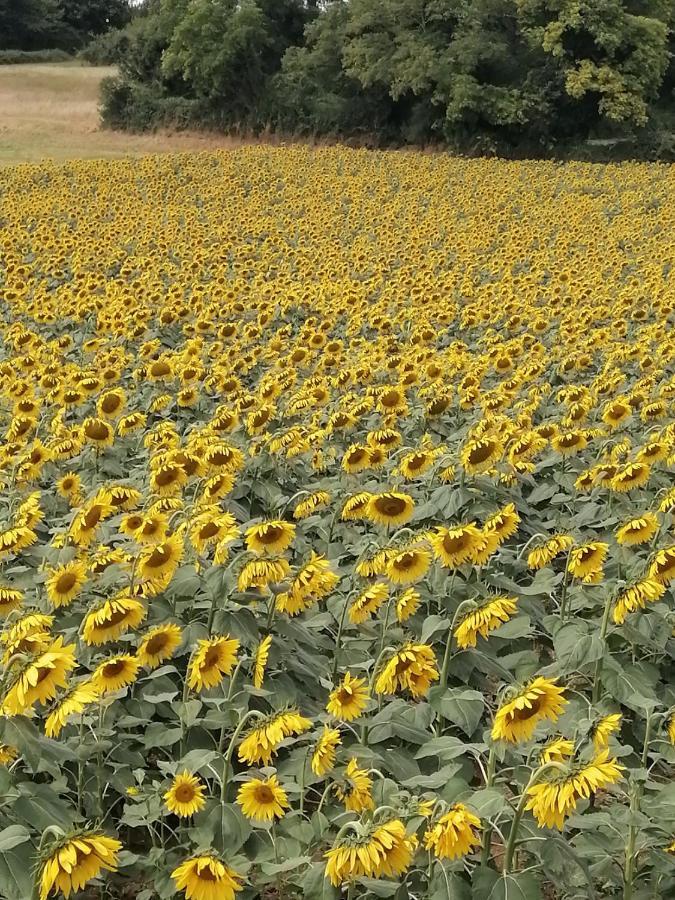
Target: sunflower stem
{"type": "Point", "coordinates": [565, 585]}
{"type": "Point", "coordinates": [371, 688]}
{"type": "Point", "coordinates": [515, 825]}
{"type": "Point", "coordinates": [252, 713]}
{"type": "Point", "coordinates": [338, 638]}
{"type": "Point", "coordinates": [447, 657]}
{"type": "Point", "coordinates": [99, 761]}
{"type": "Point", "coordinates": [487, 834]}
{"type": "Point", "coordinates": [595, 695]}
{"type": "Point", "coordinates": [635, 798]}
{"type": "Point", "coordinates": [80, 771]}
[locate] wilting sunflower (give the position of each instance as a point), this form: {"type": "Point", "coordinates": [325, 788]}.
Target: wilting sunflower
{"type": "Point", "coordinates": [381, 850]}
{"type": "Point", "coordinates": [211, 661]}
{"type": "Point", "coordinates": [586, 561]}
{"type": "Point", "coordinates": [487, 617]}
{"type": "Point", "coordinates": [455, 834]}
{"type": "Point", "coordinates": [65, 582]}
{"type": "Point", "coordinates": [638, 530]}
{"type": "Point", "coordinates": [355, 507]}
{"type": "Point", "coordinates": [89, 517]}
{"type": "Point", "coordinates": [390, 508]}
{"type": "Point", "coordinates": [261, 656]}
{"type": "Point", "coordinates": [185, 797]}
{"type": "Point", "coordinates": [374, 564]}
{"type": "Point", "coordinates": [348, 700]}
{"type": "Point", "coordinates": [38, 680]}
{"type": "Point", "coordinates": [604, 728]}
{"type": "Point", "coordinates": [115, 673]}
{"type": "Point", "coordinates": [271, 537]}
{"type": "Point", "coordinates": [456, 545]}
{"type": "Point", "coordinates": [74, 702]}
{"type": "Point", "coordinates": [407, 604]}
{"type": "Point", "coordinates": [368, 603]}
{"type": "Point", "coordinates": [10, 599]}
{"type": "Point", "coordinates": [323, 758]}
{"type": "Point", "coordinates": [408, 565]}
{"type": "Point", "coordinates": [263, 799]}
{"type": "Point", "coordinates": [263, 740]}
{"type": "Point", "coordinates": [13, 540]}
{"type": "Point", "coordinates": [555, 798]}
{"type": "Point", "coordinates": [543, 554]}
{"type": "Point", "coordinates": [412, 668]}
{"type": "Point", "coordinates": [558, 749]}
{"type": "Point", "coordinates": [637, 596]}
{"type": "Point", "coordinates": [72, 862]}
{"type": "Point", "coordinates": [354, 789]}
{"type": "Point", "coordinates": [259, 573]}
{"type": "Point", "coordinates": [159, 644]}
{"type": "Point", "coordinates": [29, 634]}
{"type": "Point", "coordinates": [520, 713]}
{"type": "Point", "coordinates": [111, 619]}
{"type": "Point", "coordinates": [206, 877]}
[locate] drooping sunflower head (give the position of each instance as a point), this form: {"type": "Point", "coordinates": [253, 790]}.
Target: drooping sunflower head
{"type": "Point", "coordinates": [518, 716]}
{"type": "Point", "coordinates": [206, 877]}
{"type": "Point", "coordinates": [211, 661]}
{"type": "Point", "coordinates": [71, 862]}
{"type": "Point", "coordinates": [348, 700]}
{"type": "Point", "coordinates": [271, 537]}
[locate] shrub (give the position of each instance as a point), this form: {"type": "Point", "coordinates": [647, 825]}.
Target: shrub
{"type": "Point", "coordinates": [12, 57]}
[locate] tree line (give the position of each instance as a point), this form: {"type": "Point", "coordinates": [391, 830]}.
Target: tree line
{"type": "Point", "coordinates": [35, 25]}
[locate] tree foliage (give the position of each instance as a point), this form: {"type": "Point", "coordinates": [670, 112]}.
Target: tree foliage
{"type": "Point", "coordinates": [491, 73]}
{"type": "Point", "coordinates": [65, 24]}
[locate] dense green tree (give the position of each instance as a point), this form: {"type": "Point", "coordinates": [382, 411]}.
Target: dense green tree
{"type": "Point", "coordinates": [87, 18]}
{"type": "Point", "coordinates": [30, 24]}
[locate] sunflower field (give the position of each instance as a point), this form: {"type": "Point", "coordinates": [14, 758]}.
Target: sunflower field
{"type": "Point", "coordinates": [337, 547]}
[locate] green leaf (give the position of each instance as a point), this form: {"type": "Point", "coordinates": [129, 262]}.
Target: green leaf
{"type": "Point", "coordinates": [461, 706]}
{"type": "Point", "coordinates": [447, 885]}
{"type": "Point", "coordinates": [446, 748]}
{"type": "Point", "coordinates": [577, 644]}
{"type": "Point", "coordinates": [16, 867]}
{"type": "Point", "coordinates": [316, 885]}
{"type": "Point", "coordinates": [12, 836]}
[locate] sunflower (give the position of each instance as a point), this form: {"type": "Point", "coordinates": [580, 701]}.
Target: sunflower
{"type": "Point", "coordinates": [348, 700]}
{"type": "Point", "coordinates": [323, 758]}
{"type": "Point", "coordinates": [479, 455]}
{"type": "Point", "coordinates": [633, 475]}
{"type": "Point", "coordinates": [555, 798]}
{"type": "Point", "coordinates": [604, 728]}
{"type": "Point", "coordinates": [311, 504]}
{"type": "Point", "coordinates": [456, 545]}
{"type": "Point", "coordinates": [115, 673]}
{"type": "Point", "coordinates": [159, 644]}
{"type": "Point", "coordinates": [10, 599]}
{"type": "Point", "coordinates": [368, 603]}
{"type": "Point", "coordinates": [543, 554]}
{"type": "Point", "coordinates": [638, 530]}
{"type": "Point", "coordinates": [411, 668]}
{"type": "Point", "coordinates": [616, 412]}
{"type": "Point", "coordinates": [637, 596]}
{"type": "Point", "coordinates": [185, 797]}
{"type": "Point", "coordinates": [354, 790]}
{"type": "Point", "coordinates": [7, 754]}
{"type": "Point", "coordinates": [384, 849]}
{"type": "Point", "coordinates": [158, 562]}
{"type": "Point", "coordinates": [65, 582]}
{"type": "Point", "coordinates": [355, 507]}
{"type": "Point", "coordinates": [13, 540]}
{"type": "Point", "coordinates": [263, 800]}
{"type": "Point", "coordinates": [73, 703]}
{"type": "Point", "coordinates": [558, 749]}
{"type": "Point", "coordinates": [69, 486]}
{"type": "Point", "coordinates": [168, 478]}
{"type": "Point", "coordinates": [98, 432]}
{"type": "Point", "coordinates": [213, 527]}
{"type": "Point", "coordinates": [486, 617]}
{"type": "Point", "coordinates": [357, 457]}
{"type": "Point", "coordinates": [408, 565]}
{"type": "Point", "coordinates": [150, 529]}
{"type": "Point", "coordinates": [259, 573]}
{"type": "Point", "coordinates": [271, 537]}
{"type": "Point", "coordinates": [212, 659]}
{"type": "Point", "coordinates": [503, 524]}
{"type": "Point", "coordinates": [414, 464]}
{"type": "Point", "coordinates": [39, 679]}
{"type": "Point", "coordinates": [569, 442]}
{"type": "Point", "coordinates": [88, 519]}
{"type": "Point", "coordinates": [111, 619]}
{"type": "Point", "coordinates": [313, 582]}
{"type": "Point", "coordinates": [662, 567]}
{"type": "Point", "coordinates": [586, 561]}
{"type": "Point", "coordinates": [390, 508]}
{"type": "Point", "coordinates": [519, 714]}
{"type": "Point", "coordinates": [264, 739]}
{"type": "Point", "coordinates": [453, 835]}
{"type": "Point", "coordinates": [206, 877]}
{"type": "Point", "coordinates": [75, 860]}
{"type": "Point", "coordinates": [261, 657]}
{"type": "Point", "coordinates": [407, 604]}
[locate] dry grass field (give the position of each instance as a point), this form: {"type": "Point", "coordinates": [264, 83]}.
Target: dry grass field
{"type": "Point", "coordinates": [49, 111]}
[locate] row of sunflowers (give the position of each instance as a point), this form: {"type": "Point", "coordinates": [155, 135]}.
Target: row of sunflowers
{"type": "Point", "coordinates": [336, 553]}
